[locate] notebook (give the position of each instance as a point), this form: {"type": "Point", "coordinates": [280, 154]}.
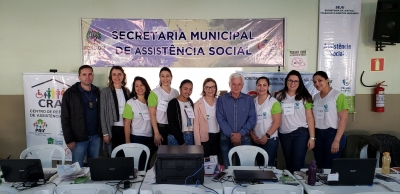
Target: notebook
{"type": "Point", "coordinates": [351, 171]}
{"type": "Point", "coordinates": [254, 175]}
{"type": "Point", "coordinates": [112, 168]}
{"type": "Point", "coordinates": [25, 170]}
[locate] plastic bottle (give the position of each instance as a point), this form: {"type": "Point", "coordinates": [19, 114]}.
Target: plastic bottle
{"type": "Point", "coordinates": [386, 163]}
{"type": "Point", "coordinates": [312, 173]}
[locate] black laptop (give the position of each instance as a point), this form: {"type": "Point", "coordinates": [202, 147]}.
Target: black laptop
{"type": "Point", "coordinates": [352, 171]}
{"type": "Point", "coordinates": [112, 168]}
{"type": "Point", "coordinates": [24, 170]}
{"type": "Point", "coordinates": [254, 176]}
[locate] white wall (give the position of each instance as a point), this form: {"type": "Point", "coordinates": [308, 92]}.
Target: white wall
{"type": "Point", "coordinates": [39, 35]}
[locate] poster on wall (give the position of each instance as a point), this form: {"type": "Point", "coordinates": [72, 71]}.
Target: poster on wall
{"type": "Point", "coordinates": [339, 24]}
{"type": "Point", "coordinates": [183, 43]}
{"type": "Point", "coordinates": [297, 60]}
{"type": "Point", "coordinates": [43, 94]}
{"type": "Point", "coordinates": [277, 82]}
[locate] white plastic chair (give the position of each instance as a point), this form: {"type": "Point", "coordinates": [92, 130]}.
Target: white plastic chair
{"type": "Point", "coordinates": [176, 189]}
{"type": "Point", "coordinates": [273, 188]}
{"type": "Point", "coordinates": [247, 154]}
{"type": "Point", "coordinates": [364, 154]}
{"type": "Point", "coordinates": [44, 153]}
{"type": "Point", "coordinates": [84, 189]}
{"type": "Point", "coordinates": [133, 150]}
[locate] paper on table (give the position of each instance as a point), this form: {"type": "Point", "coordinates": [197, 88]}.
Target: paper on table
{"type": "Point", "coordinates": [150, 176]}
{"type": "Point", "coordinates": [72, 171]}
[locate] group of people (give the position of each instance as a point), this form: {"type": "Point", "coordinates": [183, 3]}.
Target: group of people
{"type": "Point", "coordinates": [166, 116]}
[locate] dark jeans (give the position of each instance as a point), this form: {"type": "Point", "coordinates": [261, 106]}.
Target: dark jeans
{"type": "Point", "coordinates": [226, 145]}
{"type": "Point", "coordinates": [163, 129]}
{"type": "Point", "coordinates": [294, 147]}
{"type": "Point", "coordinates": [147, 141]}
{"type": "Point", "coordinates": [323, 144]}
{"type": "Point", "coordinates": [211, 147]}
{"type": "Point", "coordinates": [118, 138]}
{"type": "Point", "coordinates": [271, 147]}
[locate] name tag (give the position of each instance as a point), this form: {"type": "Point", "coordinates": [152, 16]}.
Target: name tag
{"type": "Point", "coordinates": [333, 177]}
{"type": "Point", "coordinates": [146, 115]}
{"type": "Point", "coordinates": [320, 113]}
{"type": "Point", "coordinates": [189, 112]}
{"type": "Point", "coordinates": [260, 118]}
{"type": "Point", "coordinates": [121, 109]}
{"type": "Point", "coordinates": [162, 106]}
{"type": "Point", "coordinates": [288, 108]}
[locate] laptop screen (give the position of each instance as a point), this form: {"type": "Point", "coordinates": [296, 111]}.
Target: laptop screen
{"type": "Point", "coordinates": [22, 170]}
{"type": "Point", "coordinates": [112, 168]}
{"type": "Point", "coordinates": [353, 171]}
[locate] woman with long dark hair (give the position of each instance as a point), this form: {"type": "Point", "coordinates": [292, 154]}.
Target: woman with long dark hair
{"type": "Point", "coordinates": [137, 119]}
{"type": "Point", "coordinates": [297, 132]}
{"type": "Point", "coordinates": [265, 134]}
{"type": "Point", "coordinates": [112, 103]}
{"type": "Point", "coordinates": [331, 114]}
{"type": "Point", "coordinates": [180, 116]}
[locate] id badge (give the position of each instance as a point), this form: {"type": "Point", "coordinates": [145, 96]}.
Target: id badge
{"type": "Point", "coordinates": [288, 108]}
{"type": "Point", "coordinates": [146, 115]}
{"type": "Point", "coordinates": [162, 106]}
{"type": "Point", "coordinates": [320, 113]}
{"type": "Point", "coordinates": [189, 112]}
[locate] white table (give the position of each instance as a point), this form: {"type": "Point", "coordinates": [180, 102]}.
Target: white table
{"type": "Point", "coordinates": [146, 185]}
{"type": "Point", "coordinates": [229, 186]}
{"type": "Point", "coordinates": [320, 188]}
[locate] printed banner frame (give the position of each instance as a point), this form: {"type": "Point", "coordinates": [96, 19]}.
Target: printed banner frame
{"type": "Point", "coordinates": [183, 43]}
{"type": "Point", "coordinates": [43, 97]}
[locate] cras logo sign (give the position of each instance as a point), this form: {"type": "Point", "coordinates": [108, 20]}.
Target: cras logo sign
{"type": "Point", "coordinates": [40, 127]}
{"type": "Point", "coordinates": [49, 97]}
{"type": "Point", "coordinates": [346, 82]}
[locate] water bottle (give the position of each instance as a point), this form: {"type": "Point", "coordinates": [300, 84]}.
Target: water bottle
{"type": "Point", "coordinates": [312, 173]}
{"type": "Point", "coordinates": [386, 163]}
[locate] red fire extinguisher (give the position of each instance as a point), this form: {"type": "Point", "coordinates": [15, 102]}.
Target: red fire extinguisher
{"type": "Point", "coordinates": [379, 94]}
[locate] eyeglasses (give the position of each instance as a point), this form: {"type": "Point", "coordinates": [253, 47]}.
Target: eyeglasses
{"type": "Point", "coordinates": [209, 87]}
{"type": "Point", "coordinates": [293, 81]}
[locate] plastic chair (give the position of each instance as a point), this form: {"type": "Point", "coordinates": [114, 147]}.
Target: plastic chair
{"type": "Point", "coordinates": [247, 154]}
{"type": "Point", "coordinates": [273, 188]}
{"type": "Point", "coordinates": [364, 154]}
{"type": "Point", "coordinates": [44, 153]}
{"type": "Point", "coordinates": [84, 189]}
{"type": "Point", "coordinates": [133, 150]}
{"type": "Point", "coordinates": [176, 189]}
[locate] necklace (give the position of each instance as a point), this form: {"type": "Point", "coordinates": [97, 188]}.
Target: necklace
{"type": "Point", "coordinates": [90, 99]}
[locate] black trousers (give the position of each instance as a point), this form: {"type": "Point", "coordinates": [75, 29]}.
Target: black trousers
{"type": "Point", "coordinates": [118, 138]}
{"type": "Point", "coordinates": [212, 146]}
{"type": "Point", "coordinates": [149, 142]}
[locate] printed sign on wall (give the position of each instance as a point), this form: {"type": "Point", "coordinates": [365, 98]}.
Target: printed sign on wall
{"type": "Point", "coordinates": [183, 43]}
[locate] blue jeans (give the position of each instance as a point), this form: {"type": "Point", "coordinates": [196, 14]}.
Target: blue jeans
{"type": "Point", "coordinates": [323, 144]}
{"type": "Point", "coordinates": [187, 136]}
{"type": "Point", "coordinates": [226, 145]}
{"type": "Point", "coordinates": [294, 147]}
{"type": "Point", "coordinates": [91, 147]}
{"type": "Point", "coordinates": [271, 147]}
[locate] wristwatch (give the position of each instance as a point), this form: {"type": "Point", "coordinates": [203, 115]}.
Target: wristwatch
{"type": "Point", "coordinates": [313, 138]}
{"type": "Point", "coordinates": [268, 136]}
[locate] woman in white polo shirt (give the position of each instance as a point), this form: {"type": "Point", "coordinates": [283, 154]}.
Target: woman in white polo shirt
{"type": "Point", "coordinates": [330, 113]}
{"type": "Point", "coordinates": [268, 110]}
{"type": "Point", "coordinates": [137, 123]}
{"type": "Point", "coordinates": [158, 103]}
{"type": "Point", "coordinates": [297, 132]}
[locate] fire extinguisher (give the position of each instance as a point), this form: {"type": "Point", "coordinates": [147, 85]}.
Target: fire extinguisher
{"type": "Point", "coordinates": [379, 94]}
